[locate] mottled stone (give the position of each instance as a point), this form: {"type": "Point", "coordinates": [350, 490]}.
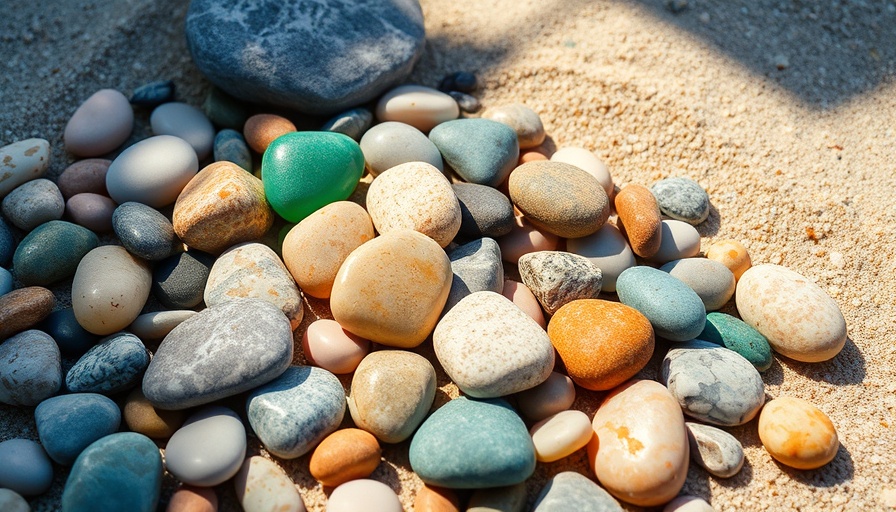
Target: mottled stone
{"type": "Point", "coordinates": [344, 455]}
{"type": "Point", "coordinates": [26, 469]}
{"type": "Point", "coordinates": [23, 308]}
{"type": "Point", "coordinates": [142, 417]}
{"type": "Point", "coordinates": [733, 334]}
{"type": "Point", "coordinates": [30, 368]}
{"type": "Point", "coordinates": [109, 289]}
{"type": "Point", "coordinates": [589, 162]}
{"type": "Point", "coordinates": [569, 491]}
{"type": "Point", "coordinates": [208, 449]}
{"type": "Point", "coordinates": [179, 280]}
{"type": "Point", "coordinates": [479, 150]}
{"type": "Point", "coordinates": [709, 279]}
{"type": "Point", "coordinates": [484, 211]}
{"type": "Point", "coordinates": [560, 435]}
{"type": "Point", "coordinates": [153, 171]}
{"type": "Point", "coordinates": [144, 231]}
{"type": "Point", "coordinates": [682, 199]}
{"type": "Point", "coordinates": [674, 310]}
{"type": "Point", "coordinates": [732, 254]}
{"type": "Point", "coordinates": [84, 176]}
{"type": "Point", "coordinates": [523, 120]}
{"type": "Point", "coordinates": [33, 203]}
{"type": "Point", "coordinates": [187, 122]}
{"type": "Point", "coordinates": [262, 129]}
{"type": "Point", "coordinates": [557, 278]}
{"type": "Point", "coordinates": [113, 365]}
{"type": "Point", "coordinates": [230, 146]}
{"type": "Point", "coordinates": [153, 93]}
{"type": "Point", "coordinates": [476, 267]}
{"type": "Point", "coordinates": [93, 211]}
{"type": "Point", "coordinates": [22, 161]}
{"type": "Point", "coordinates": [797, 434]}
{"type": "Point", "coordinates": [68, 424]}
{"type": "Point", "coordinates": [354, 123]}
{"type": "Point", "coordinates": [639, 219]}
{"type": "Point", "coordinates": [608, 250]}
{"type": "Point", "coordinates": [261, 486]}
{"type": "Point", "coordinates": [100, 124]}
{"type": "Point", "coordinates": [715, 450]}
{"type": "Point", "coordinates": [52, 252]}
{"type": "Point", "coordinates": [421, 107]}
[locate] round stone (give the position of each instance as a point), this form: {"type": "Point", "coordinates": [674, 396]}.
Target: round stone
{"type": "Point", "coordinates": [418, 106]}
{"type": "Point", "coordinates": [589, 162]}
{"type": "Point", "coordinates": [608, 250]}
{"type": "Point", "coordinates": [93, 211]}
{"type": "Point", "coordinates": [52, 252]}
{"type": "Point", "coordinates": [733, 334]}
{"type": "Point", "coordinates": [156, 325]}
{"type": "Point", "coordinates": [557, 278]}
{"type": "Point", "coordinates": [30, 368]}
{"type": "Point", "coordinates": [709, 279]}
{"type": "Point", "coordinates": [479, 150]}
{"type": "Point", "coordinates": [68, 424]}
{"type": "Point", "coordinates": [639, 219]}
{"type": "Point", "coordinates": [261, 486]}
{"type": "Point", "coordinates": [555, 394]}
{"type": "Point", "coordinates": [391, 143]}
{"type": "Point", "coordinates": [484, 211]}
{"type": "Point", "coordinates": [140, 416]}
{"type": "Point", "coordinates": [797, 434]}
{"type": "Point", "coordinates": [522, 296]}
{"type": "Point", "coordinates": [344, 455]}
{"type": "Point", "coordinates": [208, 449]}
{"type": "Point", "coordinates": [679, 240]}
{"type": "Point", "coordinates": [230, 146]}
{"type": "Point", "coordinates": [715, 450]}
{"type": "Point", "coordinates": [26, 469]}
{"type": "Point", "coordinates": [569, 490]}
{"type": "Point", "coordinates": [523, 120]}
{"type": "Point", "coordinates": [109, 289]}
{"type": "Point", "coordinates": [72, 339]}
{"type": "Point", "coordinates": [436, 499]}
{"type": "Point", "coordinates": [674, 310]}
{"type": "Point", "coordinates": [732, 254]}
{"type": "Point", "coordinates": [561, 434]}
{"type": "Point", "coordinates": [84, 176]}
{"type": "Point", "coordinates": [354, 123]}
{"type": "Point", "coordinates": [262, 129]}
{"type": "Point", "coordinates": [179, 280]}
{"type": "Point", "coordinates": [7, 282]}
{"type": "Point", "coordinates": [326, 344]}
{"type": "Point", "coordinates": [102, 123]}
{"type": "Point", "coordinates": [31, 204]}
{"type": "Point", "coordinates": [113, 365]}
{"type": "Point", "coordinates": [682, 199]}
{"type": "Point", "coordinates": [22, 161]}
{"type": "Point", "coordinates": [524, 238]}
{"type": "Point", "coordinates": [363, 494]}
{"type": "Point", "coordinates": [187, 122]}
{"type": "Point", "coordinates": [152, 171]}
{"type": "Point", "coordinates": [144, 231]}
{"type": "Point", "coordinates": [23, 308]}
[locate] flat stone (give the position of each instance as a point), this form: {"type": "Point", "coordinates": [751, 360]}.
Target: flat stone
{"type": "Point", "coordinates": [559, 198]}
{"type": "Point", "coordinates": [68, 424]}
{"type": "Point", "coordinates": [296, 411]}
{"type": "Point", "coordinates": [157, 325]}
{"type": "Point", "coordinates": [557, 393]}
{"type": "Point", "coordinates": [391, 393]}
{"type": "Point", "coordinates": [109, 289]}
{"type": "Point", "coordinates": [479, 150]}
{"type": "Point", "coordinates": [560, 435]}
{"type": "Point", "coordinates": [208, 449]}
{"type": "Point", "coordinates": [675, 311]}
{"type": "Point", "coordinates": [33, 203]}
{"type": "Point", "coordinates": [22, 161]}
{"type": "Point", "coordinates": [522, 120]}
{"type": "Point", "coordinates": [732, 254]}
{"type": "Point", "coordinates": [11, 501]}
{"type": "Point", "coordinates": [187, 122]}
{"type": "Point", "coordinates": [418, 106]}
{"type": "Point", "coordinates": [509, 498]}
{"type": "Point", "coordinates": [93, 211]}
{"type": "Point", "coordinates": [709, 279]}
{"type": "Point", "coordinates": [326, 344]}
{"type": "Point", "coordinates": [179, 280]}
{"type": "Point", "coordinates": [72, 339]}
{"type": "Point", "coordinates": [84, 176]}
{"type": "Point", "coordinates": [102, 123]}
{"type": "Point", "coordinates": [733, 334]}
{"type": "Point", "coordinates": [344, 455]}
{"type": "Point", "coordinates": [52, 252]}
{"type": "Point", "coordinates": [153, 93]}
{"type": "Point", "coordinates": [298, 63]}
{"type": "Point", "coordinates": [713, 384]}
{"type": "Point", "coordinates": [26, 469]}
{"type": "Point", "coordinates": [470, 444]}
{"type": "Point", "coordinates": [113, 365]}
{"type": "Point", "coordinates": [153, 171]}
{"type": "Point", "coordinates": [144, 231]}
{"type": "Point", "coordinates": [573, 491]}
{"type": "Point", "coordinates": [363, 494]}
{"type": "Point", "coordinates": [220, 207]}
{"type": "Point", "coordinates": [524, 238]}
{"type": "Point", "coordinates": [715, 450]}
{"type": "Point", "coordinates": [608, 250]}
{"type": "Point", "coordinates": [354, 123]}
{"type": "Point", "coordinates": [679, 240]}
{"type": "Point", "coordinates": [589, 162]}
{"type": "Point", "coordinates": [30, 368]}
{"type": "Point", "coordinates": [391, 143]}
{"type": "Point", "coordinates": [230, 146]}
{"type": "Point", "coordinates": [143, 418]}
{"type": "Point", "coordinates": [767, 297]}
{"type": "Point", "coordinates": [261, 486]}
{"type": "Point", "coordinates": [682, 199]}
{"type": "Point", "coordinates": [484, 211]}
{"type": "Point", "coordinates": [222, 351]}
{"type": "Point", "coordinates": [797, 434]}
{"type": "Point", "coordinates": [639, 219]}
{"type": "Point", "coordinates": [476, 267]}
{"type": "Point", "coordinates": [24, 308]}
{"type": "Point", "coordinates": [557, 278]}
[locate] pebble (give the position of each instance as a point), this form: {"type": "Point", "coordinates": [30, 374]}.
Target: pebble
{"type": "Point", "coordinates": [421, 107]}
{"type": "Point", "coordinates": [733, 334]}
{"type": "Point", "coordinates": [230, 146]}
{"type": "Point", "coordinates": [557, 278]}
{"type": "Point", "coordinates": [92, 211]}
{"type": "Point", "coordinates": [436, 499]}
{"type": "Point", "coordinates": [679, 240]}
{"type": "Point", "coordinates": [26, 469]}
{"type": "Point", "coordinates": [140, 416]}
{"type": "Point", "coordinates": [687, 503]}
{"type": "Point", "coordinates": [797, 434]}
{"type": "Point", "coordinates": [30, 368]}
{"type": "Point", "coordinates": [554, 395]}
{"type": "Point", "coordinates": [261, 486]}
{"type": "Point", "coordinates": [569, 491]}
{"type": "Point", "coordinates": [389, 144]}
{"type": "Point", "coordinates": [471, 444]}
{"type": "Point", "coordinates": [23, 308]}
{"type": "Point", "coordinates": [51, 252]}
{"type": "Point", "coordinates": [525, 238]}
{"type": "Point", "coordinates": [391, 289]}
{"type": "Point", "coordinates": [560, 435]}
{"type": "Point", "coordinates": [109, 289]}
{"type": "Point", "coordinates": [296, 411]}
{"type": "Point", "coordinates": [767, 297]}
{"type": "Point", "coordinates": [157, 325]}
{"type": "Point", "coordinates": [7, 283]}
{"type": "Point", "coordinates": [479, 150]}
{"type": "Point", "coordinates": [72, 339]}
{"type": "Point", "coordinates": [153, 94]}
{"type": "Point", "coordinates": [363, 494]}
{"type": "Point", "coordinates": [187, 122]}
{"type": "Point", "coordinates": [510, 498]}
{"type": "Point", "coordinates": [715, 450]}
{"type": "Point", "coordinates": [732, 254]}
{"type": "Point", "coordinates": [11, 501]}
{"type": "Point", "coordinates": [188, 498]}
{"type": "Point", "coordinates": [465, 102]}
{"type": "Point", "coordinates": [224, 110]}
{"type": "Point", "coordinates": [709, 279]}
{"type": "Point", "coordinates": [462, 81]}
{"type": "Point", "coordinates": [602, 343]}
{"type": "Point", "coordinates": [531, 155]}
{"type": "Point", "coordinates": [489, 347]}
{"type": "Point", "coordinates": [84, 176]}
{"type": "Point", "coordinates": [682, 199]}
{"type": "Point", "coordinates": [524, 121]}
{"type": "Point", "coordinates": [391, 393]}
{"type": "Point", "coordinates": [220, 207]}
{"type": "Point", "coordinates": [643, 455]}
{"type": "Point", "coordinates": [316, 247]}
{"type": "Point", "coordinates": [121, 471]}
{"type": "Point", "coordinates": [208, 449]}
{"type": "Point", "coordinates": [23, 161]}
{"type": "Point", "coordinates": [67, 424]}
{"type": "Point", "coordinates": [144, 231]}
{"type": "Point", "coordinates": [304, 171]}
{"type": "Point", "coordinates": [7, 242]}
{"type": "Point", "coordinates": [261, 130]}
{"type": "Point", "coordinates": [179, 280]}
{"type": "Point", "coordinates": [345, 455]}
{"type": "Point", "coordinates": [222, 351]}
{"type": "Point", "coordinates": [253, 270]}
{"type": "Point", "coordinates": [102, 123]}
{"type": "Point", "coordinates": [608, 250]}
{"type": "Point", "coordinates": [522, 296]}
{"type": "Point", "coordinates": [639, 219]}
{"type": "Point", "coordinates": [113, 365]}
{"type": "Point", "coordinates": [674, 310]}
{"type": "Point", "coordinates": [326, 344]}
{"type": "Point", "coordinates": [153, 171]}
{"type": "Point", "coordinates": [476, 267]}
{"type": "Point", "coordinates": [354, 123]}
{"type": "Point", "coordinates": [415, 196]}
{"type": "Point", "coordinates": [33, 203]}
{"type": "Point", "coordinates": [484, 211]}
{"type": "Point", "coordinates": [589, 162]}
{"type": "Point", "coordinates": [559, 198]}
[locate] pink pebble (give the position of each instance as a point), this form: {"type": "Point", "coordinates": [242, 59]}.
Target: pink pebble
{"type": "Point", "coordinates": [102, 123]}
{"type": "Point", "coordinates": [523, 239]}
{"type": "Point", "coordinates": [193, 499]}
{"type": "Point", "coordinates": [522, 296]}
{"type": "Point", "coordinates": [328, 345]}
{"type": "Point", "coordinates": [93, 211]}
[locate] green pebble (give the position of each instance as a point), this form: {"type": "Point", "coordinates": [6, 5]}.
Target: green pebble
{"type": "Point", "coordinates": [52, 252]}
{"type": "Point", "coordinates": [734, 334]}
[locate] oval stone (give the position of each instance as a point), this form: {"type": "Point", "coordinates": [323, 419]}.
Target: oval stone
{"type": "Point", "coordinates": [142, 417]}
{"type": "Point", "coordinates": [479, 150]}
{"type": "Point", "coordinates": [686, 503]}
{"type": "Point", "coordinates": [326, 344]}
{"type": "Point", "coordinates": [569, 491]}
{"type": "Point", "coordinates": [187, 122]}
{"type": "Point", "coordinates": [102, 123]}
{"type": "Point", "coordinates": [640, 449]}
{"type": "Point", "coordinates": [510, 498]}
{"type": "Point", "coordinates": [608, 250]}
{"type": "Point", "coordinates": [179, 280]}
{"type": "Point", "coordinates": [525, 238]}
{"type": "Point", "coordinates": [261, 486]}
{"type": "Point", "coordinates": [555, 394]}
{"type": "Point", "coordinates": [144, 231]}
{"type": "Point", "coordinates": [52, 252]}
{"type": "Point", "coordinates": [157, 325]}
{"type": "Point", "coordinates": [30, 368]}
{"type": "Point", "coordinates": [11, 501]}
{"type": "Point", "coordinates": [678, 240]}
{"type": "Point", "coordinates": [23, 308]}
{"type": "Point", "coordinates": [557, 278]}
{"type": "Point", "coordinates": [68, 424]}
{"type": "Point", "coordinates": [7, 242]}
{"type": "Point", "coordinates": [354, 123]}
{"type": "Point", "coordinates": [109, 289]}
{"type": "Point", "coordinates": [344, 455]}
{"type": "Point", "coordinates": [72, 339]}
{"type": "Point", "coordinates": [484, 211]}
{"type": "Point", "coordinates": [559, 198]}
{"type": "Point", "coordinates": [732, 254]}
{"type": "Point", "coordinates": [797, 434]}
{"type": "Point", "coordinates": [796, 316]}
{"type": "Point", "coordinates": [208, 449]}
{"type": "Point", "coordinates": [152, 171]}
{"type": "Point", "coordinates": [709, 279]}
{"type": "Point", "coordinates": [436, 499]}
{"type": "Point", "coordinates": [558, 436]}
{"type": "Point", "coordinates": [153, 93]}
{"type": "Point", "coordinates": [26, 469]}
{"type": "Point", "coordinates": [188, 498]}
{"type": "Point", "coordinates": [673, 309]}
{"type": "Point", "coordinates": [92, 211]}
{"type": "Point", "coordinates": [391, 289]}
{"type": "Point", "coordinates": [715, 450]}
{"type": "Point", "coordinates": [32, 203]}
{"type": "Point", "coordinates": [522, 120]}
{"type": "Point", "coordinates": [261, 130]}
{"type": "Point", "coordinates": [589, 162]}
{"type": "Point", "coordinates": [682, 199]}
{"type": "Point", "coordinates": [22, 161]}
{"type": "Point", "coordinates": [389, 144]}
{"type": "Point", "coordinates": [392, 390]}
{"type": "Point", "coordinates": [230, 146]}
{"type": "Point", "coordinates": [733, 334]}
{"type": "Point", "coordinates": [639, 219]}
{"type": "Point", "coordinates": [421, 107]}
{"type": "Point", "coordinates": [602, 343]}
{"type": "Point", "coordinates": [363, 494]}
{"type": "Point", "coordinates": [115, 364]}
{"type": "Point", "coordinates": [84, 176]}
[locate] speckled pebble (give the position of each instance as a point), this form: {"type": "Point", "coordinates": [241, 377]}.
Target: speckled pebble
{"type": "Point", "coordinates": [23, 161]}
{"type": "Point", "coordinates": [262, 486]}
{"type": "Point", "coordinates": [153, 93]}
{"type": "Point", "coordinates": [363, 494]}
{"type": "Point", "coordinates": [479, 150]}
{"type": "Point", "coordinates": [93, 211]}
{"type": "Point", "coordinates": [524, 238]}
{"type": "Point", "coordinates": [674, 310]}
{"type": "Point", "coordinates": [523, 120]}
{"type": "Point", "coordinates": [208, 449]}
{"type": "Point", "coordinates": [52, 252]}
{"type": "Point", "coordinates": [230, 146]}
{"type": "Point", "coordinates": [102, 123]}
{"type": "Point", "coordinates": [557, 278]}
{"type": "Point", "coordinates": [679, 240]}
{"type": "Point", "coordinates": [639, 219]}
{"type": "Point", "coordinates": [84, 176]}
{"type": "Point", "coordinates": [484, 211]}
{"type": "Point", "coordinates": [715, 450]}
{"type": "Point", "coordinates": [344, 455]}
{"type": "Point", "coordinates": [26, 469]}
{"type": "Point", "coordinates": [144, 231]}
{"type": "Point", "coordinates": [421, 107]}
{"type": "Point", "coordinates": [589, 162]}
{"type": "Point", "coordinates": [179, 280]}
{"type": "Point", "coordinates": [682, 199]}
{"type": "Point", "coordinates": [391, 143]}
{"type": "Point", "coordinates": [23, 308]}
{"type": "Point", "coordinates": [733, 334]}
{"type": "Point", "coordinates": [33, 203]}
{"type": "Point", "coordinates": [560, 435]}
{"type": "Point", "coordinates": [797, 434]}
{"type": "Point", "coordinates": [476, 267]}
{"type": "Point", "coordinates": [156, 325]}
{"type": "Point", "coordinates": [354, 123]}
{"type": "Point", "coordinates": [326, 344]}
{"type": "Point", "coordinates": [30, 368]}
{"type": "Point", "coordinates": [187, 122]}
{"type": "Point", "coordinates": [552, 396]}
{"type": "Point", "coordinates": [608, 250]}
{"type": "Point", "coordinates": [109, 289]}
{"type": "Point", "coordinates": [67, 424]}
{"type": "Point", "coordinates": [568, 491]}
{"type": "Point", "coordinates": [113, 365]}
{"type": "Point", "coordinates": [732, 254]}
{"type": "Point", "coordinates": [709, 279]}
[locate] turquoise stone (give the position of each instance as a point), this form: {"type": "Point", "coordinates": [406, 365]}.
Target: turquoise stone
{"type": "Point", "coordinates": [119, 472]}
{"type": "Point", "coordinates": [472, 444]}
{"type": "Point", "coordinates": [734, 334]}
{"type": "Point", "coordinates": [67, 424]}
{"type": "Point", "coordinates": [674, 310]}
{"type": "Point", "coordinates": [52, 252]}
{"type": "Point", "coordinates": [480, 150]}
{"type": "Point", "coordinates": [305, 171]}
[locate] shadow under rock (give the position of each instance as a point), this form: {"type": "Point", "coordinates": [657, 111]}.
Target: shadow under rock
{"type": "Point", "coordinates": [710, 226]}
{"type": "Point", "coordinates": [847, 367]}
{"type": "Point", "coordinates": [838, 471]}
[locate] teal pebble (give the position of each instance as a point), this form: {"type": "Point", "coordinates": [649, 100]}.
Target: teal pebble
{"type": "Point", "coordinates": [73, 340]}
{"type": "Point", "coordinates": [115, 364]}
{"type": "Point", "coordinates": [67, 424]}
{"type": "Point", "coordinates": [479, 150]}
{"type": "Point", "coordinates": [734, 334]}
{"type": "Point", "coordinates": [119, 472]}
{"type": "Point", "coordinates": [674, 310]}
{"type": "Point", "coordinates": [7, 283]}
{"type": "Point", "coordinates": [230, 146]}
{"type": "Point", "coordinates": [473, 444]}
{"type": "Point", "coordinates": [51, 252]}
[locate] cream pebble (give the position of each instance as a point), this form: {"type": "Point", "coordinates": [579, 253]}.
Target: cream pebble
{"type": "Point", "coordinates": [560, 435]}
{"type": "Point", "coordinates": [363, 494]}
{"type": "Point", "coordinates": [152, 171]}
{"type": "Point", "coordinates": [589, 162]}
{"type": "Point", "coordinates": [102, 123]}
{"type": "Point", "coordinates": [187, 122]}
{"type": "Point", "coordinates": [688, 504]}
{"type": "Point", "coordinates": [608, 250]}
{"type": "Point", "coordinates": [554, 395]}
{"type": "Point", "coordinates": [678, 240]}
{"type": "Point", "coordinates": [326, 344]}
{"type": "Point", "coordinates": [732, 254]}
{"type": "Point", "coordinates": [797, 434]}
{"type": "Point", "coordinates": [421, 107]}
{"type": "Point", "coordinates": [262, 486]}
{"type": "Point", "coordinates": [524, 121]}
{"type": "Point", "coordinates": [109, 289]}
{"type": "Point", "coordinates": [22, 161]}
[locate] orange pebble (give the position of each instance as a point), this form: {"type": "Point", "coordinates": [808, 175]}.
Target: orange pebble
{"type": "Point", "coordinates": [530, 156]}
{"type": "Point", "coordinates": [732, 254]}
{"type": "Point", "coordinates": [345, 455]}
{"type": "Point", "coordinates": [436, 499]}
{"type": "Point", "coordinates": [261, 129]}
{"type": "Point", "coordinates": [193, 499]}
{"type": "Point", "coordinates": [639, 219]}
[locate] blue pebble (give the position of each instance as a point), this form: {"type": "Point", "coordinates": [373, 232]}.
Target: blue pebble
{"type": "Point", "coordinates": [119, 472]}
{"type": "Point", "coordinates": [682, 199]}
{"type": "Point", "coordinates": [116, 364]}
{"type": "Point", "coordinates": [7, 242]}
{"type": "Point", "coordinates": [473, 444]}
{"type": "Point", "coordinates": [353, 123]}
{"type": "Point", "coordinates": [153, 93]}
{"type": "Point", "coordinates": [67, 424]}
{"type": "Point", "coordinates": [73, 340]}
{"type": "Point", "coordinates": [144, 231]}
{"type": "Point", "coordinates": [7, 283]}
{"type": "Point", "coordinates": [674, 310]}
{"type": "Point", "coordinates": [479, 150]}
{"type": "Point", "coordinates": [52, 252]}
{"type": "Point", "coordinates": [462, 81]}
{"type": "Point", "coordinates": [230, 146]}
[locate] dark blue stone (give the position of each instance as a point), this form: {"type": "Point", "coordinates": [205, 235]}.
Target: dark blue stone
{"type": "Point", "coordinates": [7, 242]}
{"type": "Point", "coordinates": [51, 252]}
{"type": "Point", "coordinates": [7, 283]}
{"type": "Point", "coordinates": [73, 340]}
{"type": "Point", "coordinates": [179, 280]}
{"type": "Point", "coordinates": [153, 93]}
{"type": "Point", "coordinates": [461, 81]}
{"type": "Point", "coordinates": [115, 364]}
{"type": "Point", "coordinates": [144, 231]}
{"type": "Point", "coordinates": [230, 146]}
{"type": "Point", "coordinates": [67, 424]}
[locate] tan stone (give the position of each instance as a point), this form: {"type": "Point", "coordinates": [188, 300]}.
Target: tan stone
{"type": "Point", "coordinates": [143, 418]}
{"type": "Point", "coordinates": [797, 434]}
{"type": "Point", "coordinates": [261, 129]}
{"type": "Point", "coordinates": [436, 499]}
{"type": "Point", "coordinates": [732, 254]}
{"type": "Point", "coordinates": [345, 455]}
{"type": "Point", "coordinates": [109, 289]}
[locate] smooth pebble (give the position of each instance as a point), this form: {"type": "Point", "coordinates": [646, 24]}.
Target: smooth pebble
{"type": "Point", "coordinates": [113, 365]}
{"type": "Point", "coordinates": [556, 394]}
{"type": "Point", "coordinates": [479, 150]}
{"type": "Point", "coordinates": [230, 146]}
{"type": "Point", "coordinates": [682, 199]}
{"type": "Point", "coordinates": [67, 424]}
{"type": "Point", "coordinates": [363, 494]}
{"type": "Point", "coordinates": [23, 308]}
{"type": "Point", "coordinates": [188, 498]}
{"type": "Point", "coordinates": [261, 130]}
{"type": "Point", "coordinates": [523, 120]}
{"type": "Point", "coordinates": [153, 93]}
{"type": "Point", "coordinates": [522, 296]}
{"type": "Point", "coordinates": [208, 449]}
{"type": "Point", "coordinates": [466, 102]}
{"type": "Point", "coordinates": [144, 231]}
{"type": "Point", "coordinates": [391, 143]}
{"type": "Point", "coordinates": [715, 450]}
{"type": "Point", "coordinates": [436, 499]}
{"type": "Point", "coordinates": [608, 250]}
{"type": "Point", "coordinates": [109, 289]}
{"type": "Point", "coordinates": [484, 211]}
{"type": "Point", "coordinates": [733, 334]}
{"type": "Point", "coordinates": [347, 454]}
{"type": "Point", "coordinates": [7, 282]}
{"type": "Point", "coordinates": [557, 278]}
{"type": "Point", "coordinates": [140, 416]}
{"type": "Point", "coordinates": [326, 344]}
{"type": "Point", "coordinates": [797, 434]}
{"type": "Point", "coordinates": [524, 238]}
{"type": "Point", "coordinates": [102, 123]}
{"type": "Point", "coordinates": [187, 122]}
{"type": "Point", "coordinates": [476, 267]}
{"type": "Point", "coordinates": [26, 469]}
{"type": "Point", "coordinates": [33, 203]}
{"type": "Point", "coordinates": [709, 279]}
{"type": "Point", "coordinates": [639, 219]}
{"type": "Point", "coordinates": [179, 280]}
{"type": "Point", "coordinates": [732, 254]}
{"type": "Point", "coordinates": [510, 498]}
{"type": "Point", "coordinates": [52, 252]}
{"type": "Point", "coordinates": [678, 240]}
{"type": "Point", "coordinates": [11, 501]}
{"type": "Point", "coordinates": [22, 161]}
{"type": "Point", "coordinates": [561, 434]}
{"type": "Point", "coordinates": [568, 491]}
{"type": "Point", "coordinates": [153, 171]}
{"type": "Point", "coordinates": [589, 162]}
{"type": "Point", "coordinates": [354, 123]}
{"type": "Point", "coordinates": [224, 110]}
{"type": "Point", "coordinates": [157, 325]}
{"type": "Point", "coordinates": [262, 486]}
{"type": "Point", "coordinates": [675, 311]}
{"type": "Point", "coordinates": [688, 504]}
{"type": "Point", "coordinates": [30, 368]}
{"type": "Point", "coordinates": [93, 211]}
{"type": "Point", "coordinates": [421, 107]}
{"type": "Point", "coordinates": [84, 176]}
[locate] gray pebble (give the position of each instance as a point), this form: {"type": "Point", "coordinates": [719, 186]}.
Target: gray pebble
{"type": "Point", "coordinates": [144, 231]}
{"type": "Point", "coordinates": [484, 211]}
{"type": "Point", "coordinates": [569, 491]}
{"type": "Point", "coordinates": [30, 368]}
{"type": "Point", "coordinates": [392, 143]}
{"type": "Point", "coordinates": [466, 102]}
{"type": "Point", "coordinates": [230, 146]}
{"type": "Point", "coordinates": [715, 450]}
{"type": "Point", "coordinates": [557, 278]}
{"type": "Point", "coordinates": [33, 203]}
{"type": "Point", "coordinates": [179, 280]}
{"type": "Point", "coordinates": [113, 365]}
{"type": "Point", "coordinates": [682, 199]}
{"type": "Point", "coordinates": [710, 280]}
{"type": "Point", "coordinates": [477, 267]}
{"type": "Point", "coordinates": [353, 123]}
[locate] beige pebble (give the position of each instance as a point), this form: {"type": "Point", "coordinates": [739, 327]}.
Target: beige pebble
{"type": "Point", "coordinates": [157, 325]}
{"type": "Point", "coordinates": [523, 239]}
{"type": "Point", "coordinates": [589, 162]}
{"type": "Point", "coordinates": [22, 161]}
{"type": "Point", "coordinates": [561, 434]}
{"type": "Point", "coordinates": [678, 240]}
{"type": "Point", "coordinates": [187, 122]}
{"type": "Point", "coordinates": [797, 434]}
{"type": "Point", "coordinates": [639, 219]}
{"type": "Point", "coordinates": [523, 297]}
{"type": "Point", "coordinates": [524, 121]}
{"type": "Point", "coordinates": [436, 499]}
{"type": "Point", "coordinates": [326, 344]}
{"type": "Point", "coordinates": [421, 107]}
{"type": "Point", "coordinates": [109, 289]}
{"type": "Point", "coordinates": [143, 418]}
{"type": "Point", "coordinates": [732, 254]}
{"type": "Point", "coordinates": [262, 486]}
{"type": "Point", "coordinates": [554, 395]}
{"type": "Point", "coordinates": [188, 498]}
{"type": "Point", "coordinates": [363, 494]}
{"type": "Point", "coordinates": [688, 504]}
{"type": "Point", "coordinates": [261, 129]}
{"type": "Point", "coordinates": [102, 123]}
{"type": "Point", "coordinates": [345, 455]}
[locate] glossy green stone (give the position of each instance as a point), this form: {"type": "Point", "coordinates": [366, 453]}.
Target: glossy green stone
{"type": "Point", "coordinates": [734, 334]}
{"type": "Point", "coordinates": [305, 171]}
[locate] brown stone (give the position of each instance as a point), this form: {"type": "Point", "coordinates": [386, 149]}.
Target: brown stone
{"type": "Point", "coordinates": [261, 129]}
{"type": "Point", "coordinates": [143, 418]}
{"type": "Point", "coordinates": [193, 499]}
{"type": "Point", "coordinates": [23, 308]}
{"type": "Point", "coordinates": [344, 455]}
{"type": "Point", "coordinates": [93, 211]}
{"type": "Point", "coordinates": [88, 175]}
{"type": "Point", "coordinates": [436, 499]}
{"type": "Point", "coordinates": [639, 219]}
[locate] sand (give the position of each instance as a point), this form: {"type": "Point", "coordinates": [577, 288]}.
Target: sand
{"type": "Point", "coordinates": [784, 111]}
